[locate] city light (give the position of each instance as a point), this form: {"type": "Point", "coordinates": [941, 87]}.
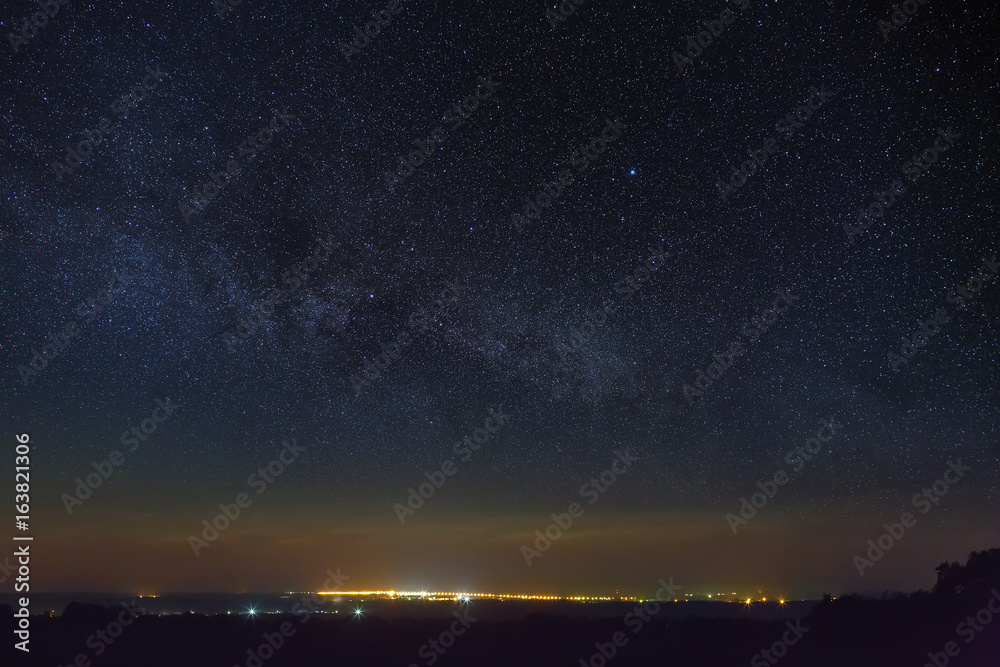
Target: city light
{"type": "Point", "coordinates": [466, 596]}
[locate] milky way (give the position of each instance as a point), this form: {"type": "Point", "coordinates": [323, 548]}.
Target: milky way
{"type": "Point", "coordinates": [693, 231]}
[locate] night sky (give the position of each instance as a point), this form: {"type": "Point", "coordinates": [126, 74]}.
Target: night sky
{"type": "Point", "coordinates": [485, 293]}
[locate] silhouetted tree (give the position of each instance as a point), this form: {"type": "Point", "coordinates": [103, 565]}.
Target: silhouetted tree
{"type": "Point", "coordinates": [980, 573]}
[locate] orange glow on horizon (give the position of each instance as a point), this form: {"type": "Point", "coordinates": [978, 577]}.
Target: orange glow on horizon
{"type": "Point", "coordinates": [457, 596]}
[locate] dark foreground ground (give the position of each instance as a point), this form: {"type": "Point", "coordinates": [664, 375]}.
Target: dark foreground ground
{"type": "Point", "coordinates": [958, 623]}
{"type": "Point", "coordinates": [847, 631]}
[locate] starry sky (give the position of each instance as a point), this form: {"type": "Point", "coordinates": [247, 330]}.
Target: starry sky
{"type": "Point", "coordinates": [184, 281]}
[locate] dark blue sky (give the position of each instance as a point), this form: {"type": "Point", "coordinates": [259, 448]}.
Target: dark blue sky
{"type": "Point", "coordinates": [182, 284]}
